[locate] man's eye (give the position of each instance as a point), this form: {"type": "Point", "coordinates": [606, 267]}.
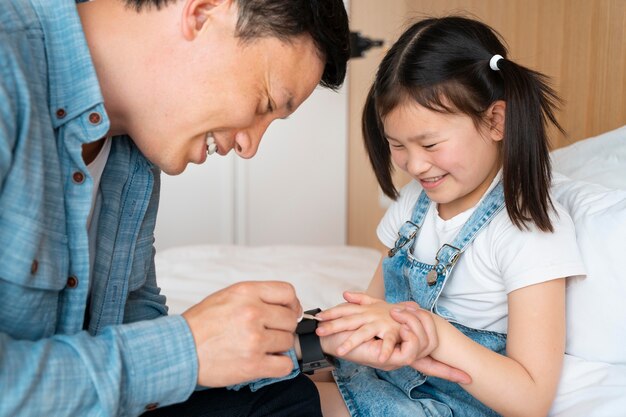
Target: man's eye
{"type": "Point", "coordinates": [429, 146]}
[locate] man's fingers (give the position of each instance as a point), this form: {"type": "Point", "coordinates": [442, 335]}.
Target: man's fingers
{"type": "Point", "coordinates": [432, 367]}
{"type": "Point", "coordinates": [272, 292]}
{"type": "Point", "coordinates": [274, 366]}
{"type": "Point", "coordinates": [277, 341]}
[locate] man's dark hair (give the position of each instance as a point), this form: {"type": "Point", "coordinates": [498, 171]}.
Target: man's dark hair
{"type": "Point", "coordinates": [326, 21]}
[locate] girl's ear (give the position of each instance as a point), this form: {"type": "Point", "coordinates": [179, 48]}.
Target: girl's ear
{"type": "Point", "coordinates": [495, 116]}
{"type": "Point", "coordinates": [196, 13]}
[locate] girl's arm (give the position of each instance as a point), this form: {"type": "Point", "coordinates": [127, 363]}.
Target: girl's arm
{"type": "Point", "coordinates": [524, 382]}
{"type": "Point", "coordinates": [376, 288]}
{"type": "Point", "coordinates": [420, 340]}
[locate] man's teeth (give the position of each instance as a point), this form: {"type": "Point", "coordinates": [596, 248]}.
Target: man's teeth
{"type": "Point", "coordinates": [211, 146]}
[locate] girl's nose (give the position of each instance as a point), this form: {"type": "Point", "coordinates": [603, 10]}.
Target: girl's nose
{"type": "Point", "coordinates": [417, 165]}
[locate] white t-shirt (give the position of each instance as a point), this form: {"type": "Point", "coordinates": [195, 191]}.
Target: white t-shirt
{"type": "Point", "coordinates": [96, 168]}
{"type": "Point", "coordinates": [501, 259]}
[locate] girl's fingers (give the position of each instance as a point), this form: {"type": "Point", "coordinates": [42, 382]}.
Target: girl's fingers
{"type": "Point", "coordinates": [357, 338]}
{"type": "Point", "coordinates": [359, 298]}
{"type": "Point", "coordinates": [429, 327]}
{"type": "Point", "coordinates": [341, 310]}
{"type": "Point", "coordinates": [387, 349]}
{"type": "Point", "coordinates": [406, 351]}
{"type": "Point", "coordinates": [421, 324]}
{"type": "Point", "coordinates": [347, 323]}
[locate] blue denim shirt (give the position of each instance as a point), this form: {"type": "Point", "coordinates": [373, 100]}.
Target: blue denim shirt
{"type": "Point", "coordinates": [51, 363]}
{"type": "Point", "coordinates": [50, 104]}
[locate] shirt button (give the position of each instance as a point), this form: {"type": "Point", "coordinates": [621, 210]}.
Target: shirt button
{"type": "Point", "coordinates": [60, 113]}
{"type": "Point", "coordinates": [94, 118]}
{"type": "Point", "coordinates": [152, 406]}
{"type": "Point", "coordinates": [72, 282]}
{"type": "Point", "coordinates": [34, 267]}
{"type": "Point", "coordinates": [78, 177]}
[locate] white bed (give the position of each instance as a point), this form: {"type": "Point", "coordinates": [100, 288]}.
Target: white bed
{"type": "Point", "coordinates": [594, 377]}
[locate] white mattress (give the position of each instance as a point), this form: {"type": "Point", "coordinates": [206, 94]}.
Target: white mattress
{"type": "Point", "coordinates": [189, 273]}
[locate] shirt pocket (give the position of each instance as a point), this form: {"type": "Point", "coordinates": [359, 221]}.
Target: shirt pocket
{"type": "Point", "coordinates": [33, 274]}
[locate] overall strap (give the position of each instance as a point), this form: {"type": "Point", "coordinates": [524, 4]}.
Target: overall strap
{"type": "Point", "coordinates": [448, 254]}
{"type": "Point", "coordinates": [410, 228]}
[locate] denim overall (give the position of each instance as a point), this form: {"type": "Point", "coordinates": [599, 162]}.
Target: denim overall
{"type": "Point", "coordinates": [405, 392]}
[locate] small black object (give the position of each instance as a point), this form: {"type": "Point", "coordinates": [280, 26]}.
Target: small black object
{"type": "Point", "coordinates": [313, 358]}
{"type": "Point", "coordinates": [359, 44]}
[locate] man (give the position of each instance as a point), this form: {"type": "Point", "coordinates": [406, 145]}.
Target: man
{"type": "Point", "coordinates": [95, 100]}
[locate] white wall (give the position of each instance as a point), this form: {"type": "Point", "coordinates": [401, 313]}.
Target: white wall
{"type": "Point", "coordinates": [293, 191]}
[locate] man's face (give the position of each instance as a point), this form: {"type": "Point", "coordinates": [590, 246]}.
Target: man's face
{"type": "Point", "coordinates": [226, 88]}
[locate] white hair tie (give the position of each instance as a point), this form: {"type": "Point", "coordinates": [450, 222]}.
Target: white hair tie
{"type": "Point", "coordinates": [493, 62]}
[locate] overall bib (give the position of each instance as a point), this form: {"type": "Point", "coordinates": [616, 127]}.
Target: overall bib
{"type": "Point", "coordinates": [405, 392]}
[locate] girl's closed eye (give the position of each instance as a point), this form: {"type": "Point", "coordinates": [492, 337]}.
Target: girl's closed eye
{"type": "Point", "coordinates": [394, 144]}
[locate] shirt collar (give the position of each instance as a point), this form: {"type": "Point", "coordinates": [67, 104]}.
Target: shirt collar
{"type": "Point", "coordinates": [72, 82]}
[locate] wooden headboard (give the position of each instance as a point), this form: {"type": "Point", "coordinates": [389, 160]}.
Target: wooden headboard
{"type": "Point", "coordinates": [580, 44]}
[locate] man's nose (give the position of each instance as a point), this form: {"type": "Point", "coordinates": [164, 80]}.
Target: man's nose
{"type": "Point", "coordinates": [247, 141]}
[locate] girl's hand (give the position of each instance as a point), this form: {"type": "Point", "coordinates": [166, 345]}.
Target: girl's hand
{"type": "Point", "coordinates": [368, 318]}
{"type": "Point", "coordinates": [368, 353]}
{"type": "Point", "coordinates": [404, 353]}
{"type": "Point", "coordinates": [421, 322]}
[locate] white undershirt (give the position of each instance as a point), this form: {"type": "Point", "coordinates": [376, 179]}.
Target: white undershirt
{"type": "Point", "coordinates": [96, 168]}
{"type": "Point", "coordinates": [501, 259]}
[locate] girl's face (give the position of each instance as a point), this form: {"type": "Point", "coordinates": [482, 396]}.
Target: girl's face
{"type": "Point", "coordinates": [453, 160]}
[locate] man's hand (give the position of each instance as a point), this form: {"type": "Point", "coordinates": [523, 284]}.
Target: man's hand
{"type": "Point", "coordinates": [241, 331]}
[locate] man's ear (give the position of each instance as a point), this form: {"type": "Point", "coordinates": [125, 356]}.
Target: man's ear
{"type": "Point", "coordinates": [196, 14]}
{"type": "Point", "coordinates": [495, 116]}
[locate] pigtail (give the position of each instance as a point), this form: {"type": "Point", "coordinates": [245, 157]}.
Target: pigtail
{"type": "Point", "coordinates": [376, 145]}
{"type": "Point", "coordinates": [526, 159]}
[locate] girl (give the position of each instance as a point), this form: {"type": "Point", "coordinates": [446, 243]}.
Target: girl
{"type": "Point", "coordinates": [475, 239]}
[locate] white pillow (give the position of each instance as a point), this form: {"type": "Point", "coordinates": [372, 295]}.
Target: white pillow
{"type": "Point", "coordinates": [600, 159]}
{"type": "Point", "coordinates": [596, 305]}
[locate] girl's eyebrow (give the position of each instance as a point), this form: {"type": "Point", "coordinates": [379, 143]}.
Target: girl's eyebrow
{"type": "Point", "coordinates": [421, 136]}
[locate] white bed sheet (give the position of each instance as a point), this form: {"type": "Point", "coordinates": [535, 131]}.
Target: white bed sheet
{"type": "Point", "coordinates": [320, 274]}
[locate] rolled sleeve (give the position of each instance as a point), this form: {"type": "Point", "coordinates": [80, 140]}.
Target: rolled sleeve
{"type": "Point", "coordinates": [164, 365]}
{"type": "Point", "coordinates": [257, 384]}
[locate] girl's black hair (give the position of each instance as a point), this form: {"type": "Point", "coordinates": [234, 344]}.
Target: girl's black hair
{"type": "Point", "coordinates": [443, 64]}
